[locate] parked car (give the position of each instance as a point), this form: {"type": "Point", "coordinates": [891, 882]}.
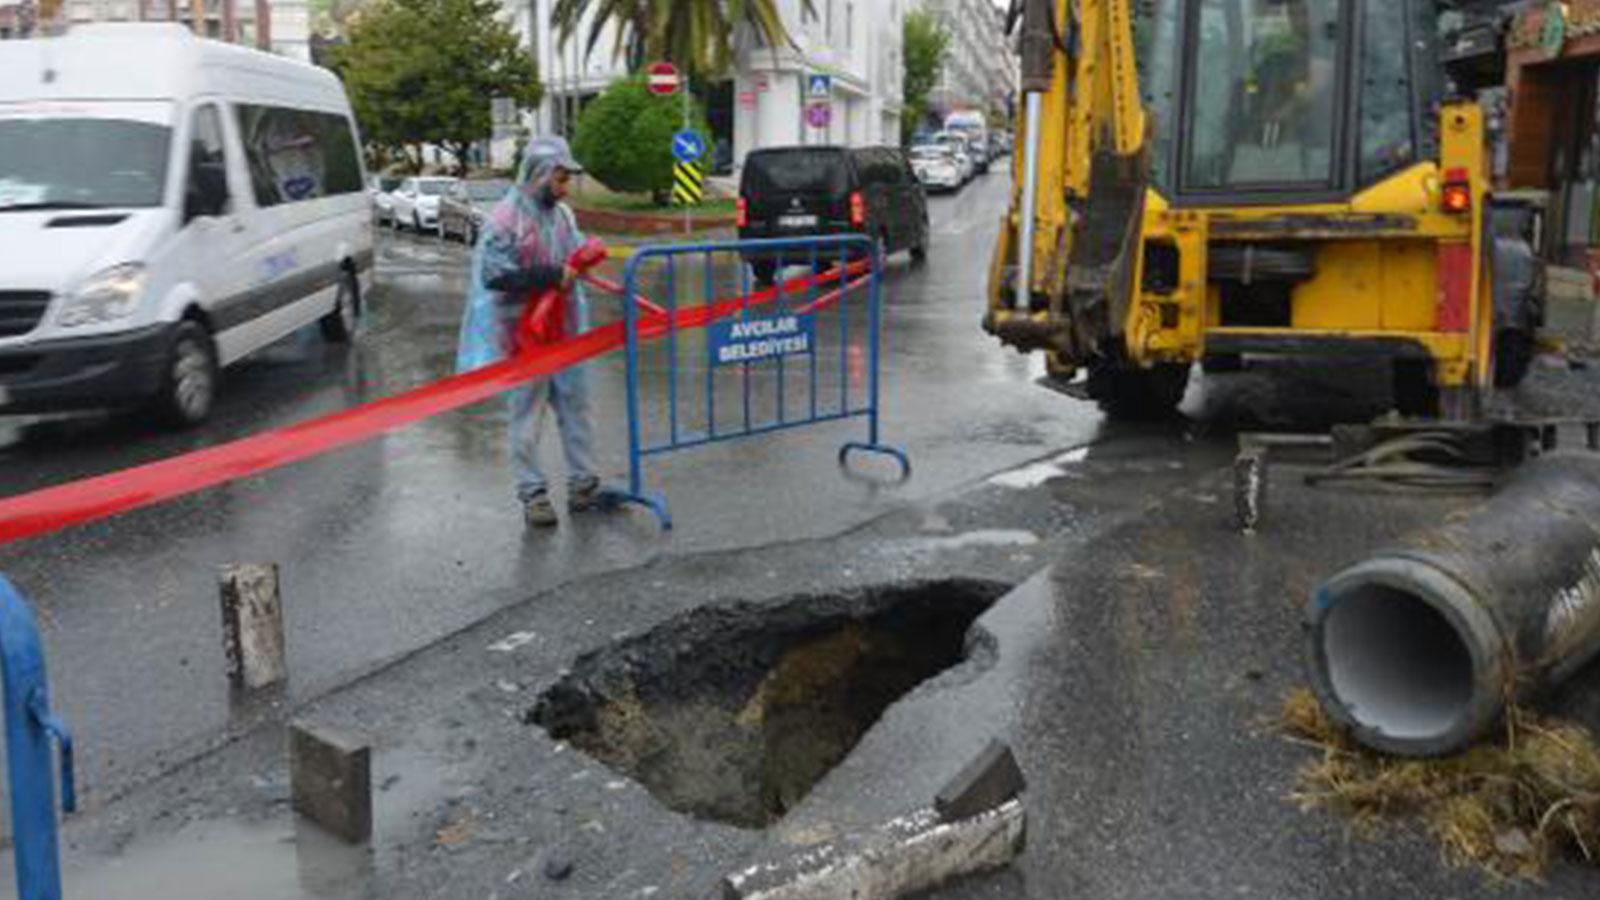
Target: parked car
{"type": "Point", "coordinates": [465, 206]}
{"type": "Point", "coordinates": [416, 202]}
{"type": "Point", "coordinates": [380, 190]}
{"type": "Point", "coordinates": [936, 167]}
{"type": "Point", "coordinates": [168, 206]}
{"type": "Point", "coordinates": [803, 191]}
{"type": "Point", "coordinates": [964, 164]}
{"type": "Point", "coordinates": [978, 149]}
{"type": "Point", "coordinates": [963, 153]}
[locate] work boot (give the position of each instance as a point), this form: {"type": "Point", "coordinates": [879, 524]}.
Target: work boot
{"type": "Point", "coordinates": [538, 511]}
{"type": "Point", "coordinates": [583, 494]}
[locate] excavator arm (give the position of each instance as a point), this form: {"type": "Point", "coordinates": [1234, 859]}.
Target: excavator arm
{"type": "Point", "coordinates": [1066, 267]}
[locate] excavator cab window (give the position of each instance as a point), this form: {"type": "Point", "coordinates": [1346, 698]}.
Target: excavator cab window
{"type": "Point", "coordinates": [1279, 100]}
{"type": "Point", "coordinates": [1264, 95]}
{"type": "Point", "coordinates": [1157, 28]}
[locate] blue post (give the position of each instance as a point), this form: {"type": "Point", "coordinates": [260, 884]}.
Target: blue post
{"type": "Point", "coordinates": [672, 348]}
{"type": "Point", "coordinates": [630, 324]}
{"type": "Point", "coordinates": [636, 452]}
{"type": "Point", "coordinates": [874, 338]}
{"type": "Point", "coordinates": [29, 728]}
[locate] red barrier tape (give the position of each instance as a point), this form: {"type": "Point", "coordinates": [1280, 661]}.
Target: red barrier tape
{"type": "Point", "coordinates": [81, 502]}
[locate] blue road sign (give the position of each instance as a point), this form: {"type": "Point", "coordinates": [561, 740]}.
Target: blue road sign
{"type": "Point", "coordinates": [688, 146]}
{"type": "Point", "coordinates": [820, 87]}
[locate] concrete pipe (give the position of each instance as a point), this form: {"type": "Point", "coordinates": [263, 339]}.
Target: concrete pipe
{"type": "Point", "coordinates": [1418, 650]}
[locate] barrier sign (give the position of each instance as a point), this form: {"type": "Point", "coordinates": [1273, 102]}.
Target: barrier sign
{"type": "Point", "coordinates": [688, 184]}
{"type": "Point", "coordinates": [754, 340]}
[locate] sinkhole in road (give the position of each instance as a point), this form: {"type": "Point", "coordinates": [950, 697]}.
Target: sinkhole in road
{"type": "Point", "coordinates": [734, 713]}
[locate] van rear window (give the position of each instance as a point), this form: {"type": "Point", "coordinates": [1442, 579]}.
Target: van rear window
{"type": "Point", "coordinates": [297, 154]}
{"type": "Point", "coordinates": [812, 171]}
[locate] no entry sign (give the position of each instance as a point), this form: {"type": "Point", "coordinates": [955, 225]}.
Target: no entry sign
{"type": "Point", "coordinates": [662, 77]}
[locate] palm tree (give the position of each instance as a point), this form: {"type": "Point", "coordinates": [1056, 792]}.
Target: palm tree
{"type": "Point", "coordinates": [697, 34]}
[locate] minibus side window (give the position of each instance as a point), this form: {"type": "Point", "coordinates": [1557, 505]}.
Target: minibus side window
{"type": "Point", "coordinates": [206, 193]}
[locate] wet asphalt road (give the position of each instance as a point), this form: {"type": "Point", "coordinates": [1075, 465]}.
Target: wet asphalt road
{"type": "Point", "coordinates": [1135, 671]}
{"type": "Point", "coordinates": [394, 544]}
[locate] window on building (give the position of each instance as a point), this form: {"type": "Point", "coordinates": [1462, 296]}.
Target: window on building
{"type": "Point", "coordinates": [296, 155]}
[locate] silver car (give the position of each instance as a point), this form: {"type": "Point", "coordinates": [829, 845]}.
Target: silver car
{"type": "Point", "coordinates": [464, 208]}
{"type": "Point", "coordinates": [936, 167]}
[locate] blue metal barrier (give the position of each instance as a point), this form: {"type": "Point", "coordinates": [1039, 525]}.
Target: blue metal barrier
{"type": "Point", "coordinates": [29, 727]}
{"type": "Point", "coordinates": [758, 338]}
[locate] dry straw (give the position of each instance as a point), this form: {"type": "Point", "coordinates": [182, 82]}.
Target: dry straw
{"type": "Point", "coordinates": [1511, 806]}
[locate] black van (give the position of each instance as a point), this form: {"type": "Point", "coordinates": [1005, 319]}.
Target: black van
{"type": "Point", "coordinates": [789, 192]}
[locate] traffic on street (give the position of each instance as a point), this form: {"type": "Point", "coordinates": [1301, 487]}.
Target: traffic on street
{"type": "Point", "coordinates": [961, 458]}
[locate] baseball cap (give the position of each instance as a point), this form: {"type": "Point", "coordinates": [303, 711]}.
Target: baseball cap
{"type": "Point", "coordinates": [553, 151]}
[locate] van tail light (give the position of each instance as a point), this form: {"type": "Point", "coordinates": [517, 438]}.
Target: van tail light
{"type": "Point", "coordinates": [1457, 196]}
{"type": "Point", "coordinates": [742, 213]}
{"type": "Point", "coordinates": [858, 210]}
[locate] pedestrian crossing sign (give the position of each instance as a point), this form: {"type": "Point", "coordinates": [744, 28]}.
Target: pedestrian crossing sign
{"type": "Point", "coordinates": [820, 87]}
{"type": "Point", "coordinates": [688, 184]}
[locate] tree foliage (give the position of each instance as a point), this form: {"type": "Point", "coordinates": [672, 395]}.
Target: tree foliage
{"type": "Point", "coordinates": [425, 71]}
{"type": "Point", "coordinates": [699, 35]}
{"type": "Point", "coordinates": [926, 46]}
{"type": "Point", "coordinates": [624, 137]}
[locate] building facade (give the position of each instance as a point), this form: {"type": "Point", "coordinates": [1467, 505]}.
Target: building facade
{"type": "Point", "coordinates": [766, 101]}
{"type": "Point", "coordinates": [981, 69]}
{"type": "Point", "coordinates": [281, 26]}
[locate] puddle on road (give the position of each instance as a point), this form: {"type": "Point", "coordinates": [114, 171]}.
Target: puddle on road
{"type": "Point", "coordinates": [1029, 477]}
{"type": "Point", "coordinates": [733, 714]}
{"type": "Point", "coordinates": [207, 860]}
{"type": "Point", "coordinates": [279, 857]}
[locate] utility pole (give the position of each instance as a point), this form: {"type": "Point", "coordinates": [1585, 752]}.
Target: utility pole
{"type": "Point", "coordinates": [263, 25]}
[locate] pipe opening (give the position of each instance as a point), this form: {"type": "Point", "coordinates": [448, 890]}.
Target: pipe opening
{"type": "Point", "coordinates": [1395, 663]}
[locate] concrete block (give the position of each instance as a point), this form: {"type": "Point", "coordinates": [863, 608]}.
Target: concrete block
{"type": "Point", "coordinates": [991, 779]}
{"type": "Point", "coordinates": [252, 625]}
{"type": "Point", "coordinates": [905, 857]}
{"type": "Point", "coordinates": [330, 776]}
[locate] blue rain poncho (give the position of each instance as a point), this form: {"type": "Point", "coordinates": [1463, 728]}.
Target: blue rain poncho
{"type": "Point", "coordinates": [523, 248]}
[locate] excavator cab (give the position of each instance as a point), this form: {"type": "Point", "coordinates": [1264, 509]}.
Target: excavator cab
{"type": "Point", "coordinates": [1220, 180]}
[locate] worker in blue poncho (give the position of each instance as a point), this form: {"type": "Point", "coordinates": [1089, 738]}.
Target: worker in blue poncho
{"type": "Point", "coordinates": [523, 250]}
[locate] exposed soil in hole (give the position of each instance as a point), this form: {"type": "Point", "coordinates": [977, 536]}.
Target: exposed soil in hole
{"type": "Point", "coordinates": [734, 713]}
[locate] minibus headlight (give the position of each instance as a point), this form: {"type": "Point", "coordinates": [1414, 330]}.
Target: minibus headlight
{"type": "Point", "coordinates": [105, 297]}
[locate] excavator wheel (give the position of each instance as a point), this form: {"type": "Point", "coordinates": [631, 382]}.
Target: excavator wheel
{"type": "Point", "coordinates": [1127, 392]}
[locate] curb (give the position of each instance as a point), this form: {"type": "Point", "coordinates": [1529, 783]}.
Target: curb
{"type": "Point", "coordinates": [646, 223]}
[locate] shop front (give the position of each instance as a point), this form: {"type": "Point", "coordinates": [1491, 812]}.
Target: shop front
{"type": "Point", "coordinates": [1553, 146]}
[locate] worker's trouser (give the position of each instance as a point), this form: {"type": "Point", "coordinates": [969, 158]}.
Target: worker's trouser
{"type": "Point", "coordinates": [568, 393]}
